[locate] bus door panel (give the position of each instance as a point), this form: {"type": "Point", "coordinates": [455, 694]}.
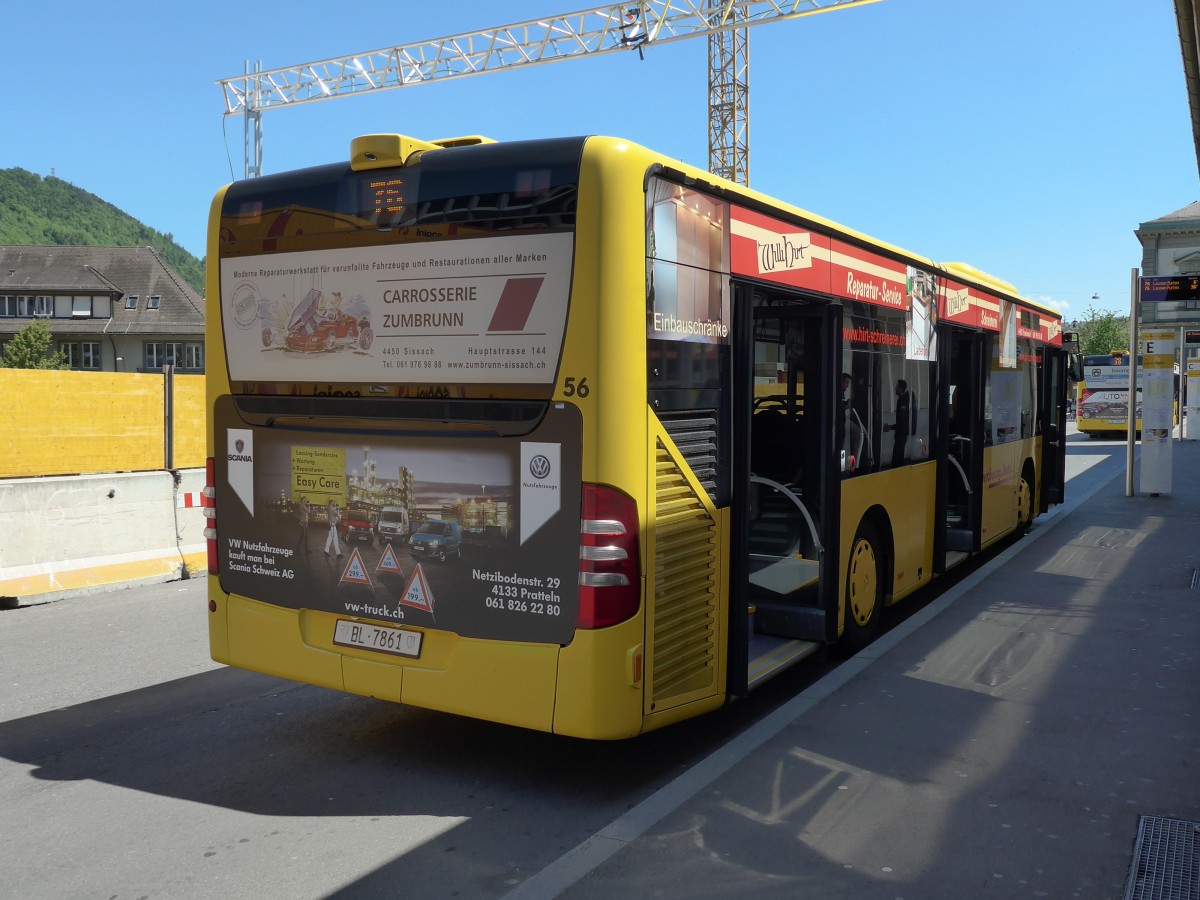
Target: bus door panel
{"type": "Point", "coordinates": [964, 365]}
{"type": "Point", "coordinates": [786, 514]}
{"type": "Point", "coordinates": [1053, 414]}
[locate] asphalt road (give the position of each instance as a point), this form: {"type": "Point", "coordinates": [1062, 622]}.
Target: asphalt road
{"type": "Point", "coordinates": [132, 766]}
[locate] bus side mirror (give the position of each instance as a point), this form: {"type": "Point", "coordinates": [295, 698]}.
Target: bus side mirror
{"type": "Point", "coordinates": [1074, 368]}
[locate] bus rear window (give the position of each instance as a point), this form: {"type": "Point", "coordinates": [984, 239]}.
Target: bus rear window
{"type": "Point", "coordinates": [453, 192]}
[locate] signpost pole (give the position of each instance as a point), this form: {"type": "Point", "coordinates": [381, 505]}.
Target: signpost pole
{"type": "Point", "coordinates": [1131, 406]}
{"type": "Point", "coordinates": [1177, 381]}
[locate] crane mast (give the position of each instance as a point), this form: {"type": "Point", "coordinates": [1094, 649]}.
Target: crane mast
{"type": "Point", "coordinates": [619, 28]}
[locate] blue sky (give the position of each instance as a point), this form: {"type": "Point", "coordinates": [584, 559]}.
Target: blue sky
{"type": "Point", "coordinates": [1028, 138]}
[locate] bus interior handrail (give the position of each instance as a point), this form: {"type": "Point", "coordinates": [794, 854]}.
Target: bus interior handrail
{"type": "Point", "coordinates": [784, 489]}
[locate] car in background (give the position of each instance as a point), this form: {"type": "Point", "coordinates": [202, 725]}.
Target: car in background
{"type": "Point", "coordinates": [437, 538]}
{"type": "Point", "coordinates": [356, 526]}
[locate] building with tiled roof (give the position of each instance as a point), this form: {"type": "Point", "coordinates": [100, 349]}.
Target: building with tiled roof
{"type": "Point", "coordinates": [112, 309]}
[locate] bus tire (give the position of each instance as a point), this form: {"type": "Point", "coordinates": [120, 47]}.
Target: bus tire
{"type": "Point", "coordinates": [864, 588]}
{"type": "Point", "coordinates": [1024, 503]}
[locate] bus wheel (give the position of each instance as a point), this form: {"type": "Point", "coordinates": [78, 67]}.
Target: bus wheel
{"type": "Point", "coordinates": [864, 589]}
{"type": "Point", "coordinates": [1024, 504]}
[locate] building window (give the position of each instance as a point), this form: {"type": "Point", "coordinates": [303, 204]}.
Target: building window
{"type": "Point", "coordinates": [159, 355]}
{"type": "Point", "coordinates": [152, 301]}
{"type": "Point", "coordinates": [193, 356]}
{"type": "Point", "coordinates": [41, 306]}
{"type": "Point", "coordinates": [180, 355]}
{"type": "Point", "coordinates": [27, 306]}
{"type": "Point", "coordinates": [131, 301]}
{"type": "Point", "coordinates": [81, 307]}
{"type": "Point", "coordinates": [82, 355]}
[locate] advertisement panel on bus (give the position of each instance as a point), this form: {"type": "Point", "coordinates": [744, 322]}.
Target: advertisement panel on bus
{"type": "Point", "coordinates": [493, 545]}
{"type": "Point", "coordinates": [474, 311]}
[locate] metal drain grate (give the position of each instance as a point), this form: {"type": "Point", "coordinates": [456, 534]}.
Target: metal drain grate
{"type": "Point", "coordinates": [1166, 860]}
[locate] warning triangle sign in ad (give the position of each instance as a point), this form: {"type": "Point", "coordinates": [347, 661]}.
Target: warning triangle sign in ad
{"type": "Point", "coordinates": [355, 571]}
{"type": "Point", "coordinates": [388, 564]}
{"type": "Point", "coordinates": [417, 592]}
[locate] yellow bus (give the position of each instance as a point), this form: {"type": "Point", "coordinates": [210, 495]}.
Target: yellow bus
{"type": "Point", "coordinates": [651, 437]}
{"type": "Point", "coordinates": [1103, 392]}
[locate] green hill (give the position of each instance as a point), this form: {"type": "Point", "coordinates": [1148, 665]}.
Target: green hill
{"type": "Point", "coordinates": [37, 210]}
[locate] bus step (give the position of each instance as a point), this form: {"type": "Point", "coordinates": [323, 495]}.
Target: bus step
{"type": "Point", "coordinates": [784, 577]}
{"type": "Point", "coordinates": [771, 655]}
{"type": "Point", "coordinates": [789, 620]}
{"type": "Point", "coordinates": [960, 539]}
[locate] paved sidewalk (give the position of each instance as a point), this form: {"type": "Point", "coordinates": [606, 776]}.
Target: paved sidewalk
{"type": "Point", "coordinates": [1005, 742]}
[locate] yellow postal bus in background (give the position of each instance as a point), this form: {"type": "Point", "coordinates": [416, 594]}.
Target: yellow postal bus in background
{"type": "Point", "coordinates": [1103, 390]}
{"type": "Point", "coordinates": [653, 436]}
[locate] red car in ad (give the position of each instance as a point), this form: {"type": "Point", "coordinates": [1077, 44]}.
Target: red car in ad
{"type": "Point", "coordinates": [355, 525]}
{"type": "Point", "coordinates": [311, 330]}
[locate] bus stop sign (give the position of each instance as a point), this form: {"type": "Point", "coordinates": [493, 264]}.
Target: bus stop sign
{"type": "Point", "coordinates": [1173, 289]}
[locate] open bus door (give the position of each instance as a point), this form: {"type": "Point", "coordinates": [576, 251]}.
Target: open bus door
{"type": "Point", "coordinates": [1053, 415]}
{"type": "Point", "coordinates": [786, 481]}
{"type": "Point", "coordinates": [964, 362]}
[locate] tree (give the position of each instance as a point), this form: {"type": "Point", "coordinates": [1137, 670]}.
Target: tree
{"type": "Point", "coordinates": [30, 349]}
{"type": "Point", "coordinates": [1101, 332]}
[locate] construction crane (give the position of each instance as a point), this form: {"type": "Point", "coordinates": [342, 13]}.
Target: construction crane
{"type": "Point", "coordinates": [631, 26]}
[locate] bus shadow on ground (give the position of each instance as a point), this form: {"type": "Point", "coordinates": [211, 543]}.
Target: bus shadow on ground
{"type": "Point", "coordinates": [243, 741]}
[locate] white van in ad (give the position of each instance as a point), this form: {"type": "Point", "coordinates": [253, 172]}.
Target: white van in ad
{"type": "Point", "coordinates": [393, 522]}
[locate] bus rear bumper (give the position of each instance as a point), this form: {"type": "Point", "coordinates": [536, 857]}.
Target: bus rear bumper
{"type": "Point", "coordinates": [504, 682]}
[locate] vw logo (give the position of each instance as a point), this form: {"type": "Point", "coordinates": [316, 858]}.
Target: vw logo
{"type": "Point", "coordinates": [539, 466]}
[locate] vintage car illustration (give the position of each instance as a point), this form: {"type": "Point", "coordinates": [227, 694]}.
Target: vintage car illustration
{"type": "Point", "coordinates": [320, 325]}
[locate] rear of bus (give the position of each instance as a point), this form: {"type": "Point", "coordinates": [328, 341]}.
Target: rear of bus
{"type": "Point", "coordinates": [1102, 408]}
{"type": "Point", "coordinates": [431, 332]}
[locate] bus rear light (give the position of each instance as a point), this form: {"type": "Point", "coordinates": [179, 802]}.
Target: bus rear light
{"type": "Point", "coordinates": [610, 582]}
{"type": "Point", "coordinates": [210, 513]}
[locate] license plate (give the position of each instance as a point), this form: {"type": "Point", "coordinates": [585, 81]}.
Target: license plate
{"type": "Point", "coordinates": [397, 641]}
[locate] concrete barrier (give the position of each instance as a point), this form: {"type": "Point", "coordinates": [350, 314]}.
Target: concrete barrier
{"type": "Point", "coordinates": [86, 533]}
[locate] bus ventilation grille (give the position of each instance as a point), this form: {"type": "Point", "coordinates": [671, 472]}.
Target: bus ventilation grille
{"type": "Point", "coordinates": [685, 601]}
{"type": "Point", "coordinates": [1166, 861]}
{"type": "Point", "coordinates": [694, 432]}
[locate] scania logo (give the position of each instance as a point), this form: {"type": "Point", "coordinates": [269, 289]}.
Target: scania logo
{"type": "Point", "coordinates": [539, 466]}
{"type": "Point", "coordinates": [239, 445]}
